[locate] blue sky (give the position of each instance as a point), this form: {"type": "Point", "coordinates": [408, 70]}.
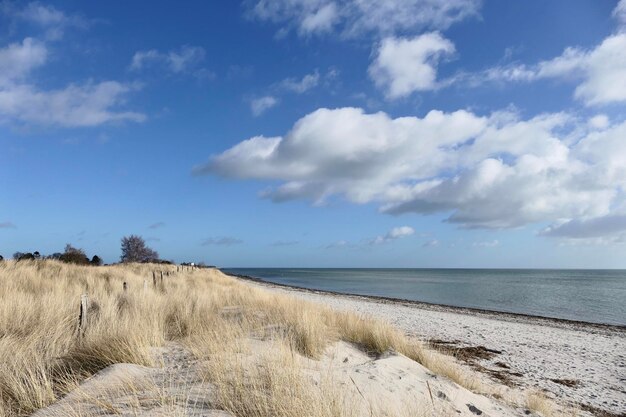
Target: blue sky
{"type": "Point", "coordinates": [330, 133]}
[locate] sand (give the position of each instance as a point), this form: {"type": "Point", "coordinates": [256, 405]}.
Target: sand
{"type": "Point", "coordinates": [175, 387]}
{"type": "Point", "coordinates": [389, 385]}
{"type": "Point", "coordinates": [581, 364]}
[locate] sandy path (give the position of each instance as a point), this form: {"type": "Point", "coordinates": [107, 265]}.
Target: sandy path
{"type": "Point", "coordinates": [541, 350]}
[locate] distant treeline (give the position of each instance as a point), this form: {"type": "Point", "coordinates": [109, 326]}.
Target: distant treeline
{"type": "Point", "coordinates": [134, 249]}
{"type": "Point", "coordinates": [71, 255]}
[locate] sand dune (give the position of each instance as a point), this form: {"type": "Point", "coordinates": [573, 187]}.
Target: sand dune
{"type": "Point", "coordinates": [391, 385]}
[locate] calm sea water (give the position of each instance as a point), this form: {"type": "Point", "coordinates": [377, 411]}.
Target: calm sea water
{"type": "Point", "coordinates": [597, 296]}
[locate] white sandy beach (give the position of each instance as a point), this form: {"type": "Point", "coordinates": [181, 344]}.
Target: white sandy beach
{"type": "Point", "coordinates": [536, 351]}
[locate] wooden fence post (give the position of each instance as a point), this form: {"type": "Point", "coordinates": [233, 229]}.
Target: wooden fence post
{"type": "Point", "coordinates": [125, 286]}
{"type": "Point", "coordinates": [82, 316]}
{"type": "Point", "coordinates": [154, 279]}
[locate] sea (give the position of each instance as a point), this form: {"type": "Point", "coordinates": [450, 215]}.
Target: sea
{"type": "Point", "coordinates": [594, 296]}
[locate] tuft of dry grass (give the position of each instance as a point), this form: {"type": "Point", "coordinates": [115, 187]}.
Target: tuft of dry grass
{"type": "Point", "coordinates": [538, 402]}
{"type": "Point", "coordinates": [274, 385]}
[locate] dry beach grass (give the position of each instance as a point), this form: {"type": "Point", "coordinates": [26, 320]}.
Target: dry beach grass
{"type": "Point", "coordinates": [259, 352]}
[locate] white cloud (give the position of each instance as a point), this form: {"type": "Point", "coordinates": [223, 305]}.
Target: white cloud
{"type": "Point", "coordinates": [143, 58]}
{"type": "Point", "coordinates": [619, 12]}
{"type": "Point", "coordinates": [17, 60]}
{"type": "Point", "coordinates": [184, 59]}
{"type": "Point", "coordinates": [599, 121]}
{"type": "Point", "coordinates": [484, 172]}
{"type": "Point", "coordinates": [303, 85]}
{"type": "Point", "coordinates": [89, 104]}
{"type": "Point", "coordinates": [338, 244]}
{"type": "Point", "coordinates": [52, 20]}
{"type": "Point", "coordinates": [431, 244]}
{"type": "Point", "coordinates": [393, 234]}
{"type": "Point", "coordinates": [352, 18]}
{"type": "Point", "coordinates": [609, 225]}
{"type": "Point", "coordinates": [398, 232]}
{"type": "Point", "coordinates": [86, 104]}
{"type": "Point", "coordinates": [601, 71]}
{"type": "Point", "coordinates": [403, 66]}
{"type": "Point", "coordinates": [260, 105]}
{"type": "Point", "coordinates": [320, 21]}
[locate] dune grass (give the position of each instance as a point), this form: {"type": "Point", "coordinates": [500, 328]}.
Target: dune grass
{"type": "Point", "coordinates": [42, 356]}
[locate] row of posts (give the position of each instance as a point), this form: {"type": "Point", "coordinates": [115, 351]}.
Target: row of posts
{"type": "Point", "coordinates": [157, 280]}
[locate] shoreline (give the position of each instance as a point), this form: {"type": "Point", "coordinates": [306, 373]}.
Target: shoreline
{"type": "Point", "coordinates": [501, 315]}
{"type": "Point", "coordinates": [580, 363]}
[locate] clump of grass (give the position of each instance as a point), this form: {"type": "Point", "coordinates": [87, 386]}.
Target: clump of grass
{"type": "Point", "coordinates": [374, 336]}
{"type": "Point", "coordinates": [537, 401]}
{"type": "Point", "coordinates": [274, 386]}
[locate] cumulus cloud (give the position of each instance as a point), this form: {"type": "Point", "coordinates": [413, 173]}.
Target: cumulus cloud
{"type": "Point", "coordinates": [403, 66]}
{"type": "Point", "coordinates": [431, 244]}
{"type": "Point", "coordinates": [352, 18]}
{"type": "Point", "coordinates": [393, 234]}
{"type": "Point", "coordinates": [86, 104]}
{"type": "Point", "coordinates": [183, 60]}
{"type": "Point", "coordinates": [496, 171]}
{"type": "Point", "coordinates": [600, 71]}
{"type": "Point", "coordinates": [221, 241]}
{"type": "Point", "coordinates": [260, 105]}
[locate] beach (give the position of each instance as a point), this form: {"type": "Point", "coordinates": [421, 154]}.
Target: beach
{"type": "Point", "coordinates": [164, 340]}
{"type": "Point", "coordinates": [583, 364]}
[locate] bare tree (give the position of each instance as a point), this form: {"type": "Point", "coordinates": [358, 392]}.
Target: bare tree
{"type": "Point", "coordinates": [134, 249]}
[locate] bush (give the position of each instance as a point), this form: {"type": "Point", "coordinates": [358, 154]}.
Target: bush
{"type": "Point", "coordinates": [19, 256]}
{"type": "Point", "coordinates": [96, 261]}
{"type": "Point", "coordinates": [74, 255]}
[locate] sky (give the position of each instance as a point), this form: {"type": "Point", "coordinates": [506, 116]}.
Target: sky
{"type": "Point", "coordinates": [317, 133]}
